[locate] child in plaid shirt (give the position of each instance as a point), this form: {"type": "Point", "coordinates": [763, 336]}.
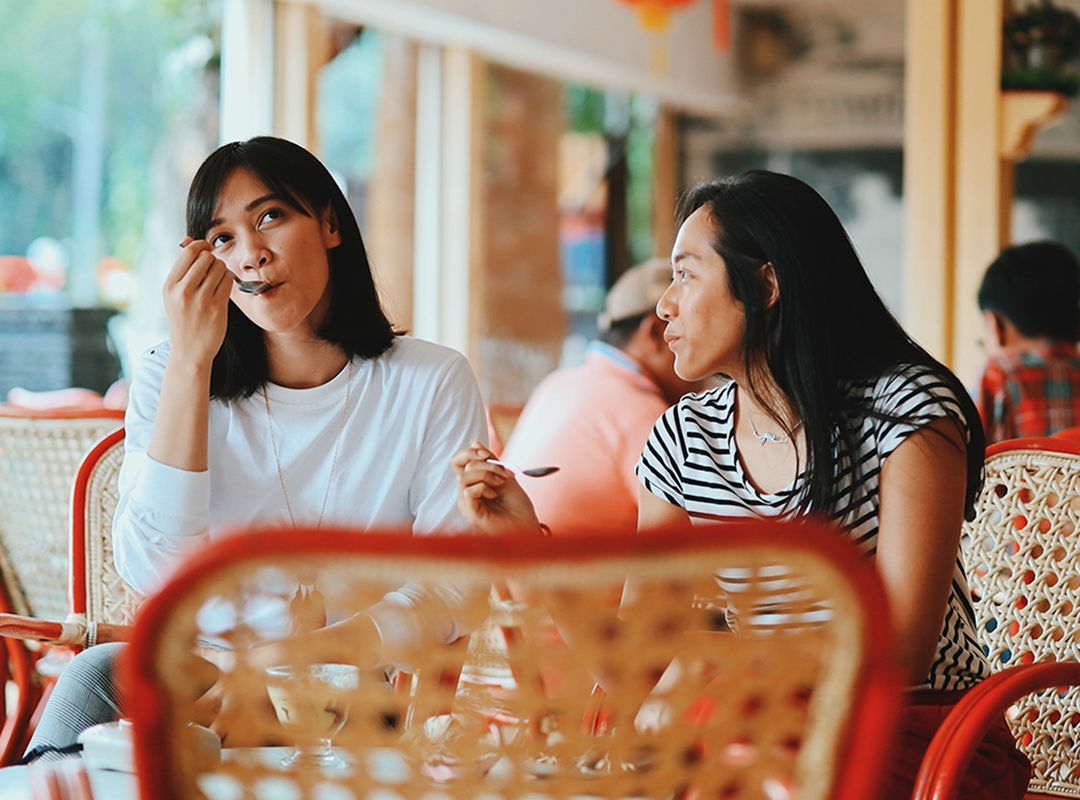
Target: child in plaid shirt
{"type": "Point", "coordinates": [1030, 384]}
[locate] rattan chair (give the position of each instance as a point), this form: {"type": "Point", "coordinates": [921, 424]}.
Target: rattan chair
{"type": "Point", "coordinates": [790, 691]}
{"type": "Point", "coordinates": [1022, 554]}
{"type": "Point", "coordinates": [101, 607]}
{"type": "Point", "coordinates": [40, 453]}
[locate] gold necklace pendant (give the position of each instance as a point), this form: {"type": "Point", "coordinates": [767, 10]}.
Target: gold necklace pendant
{"type": "Point", "coordinates": [333, 461]}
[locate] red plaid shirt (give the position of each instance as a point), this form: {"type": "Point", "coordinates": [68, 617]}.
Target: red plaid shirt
{"type": "Point", "coordinates": [1030, 393]}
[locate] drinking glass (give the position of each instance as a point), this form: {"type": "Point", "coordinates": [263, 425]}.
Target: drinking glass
{"type": "Point", "coordinates": [311, 700]}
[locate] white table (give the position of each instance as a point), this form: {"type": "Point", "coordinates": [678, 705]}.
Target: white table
{"type": "Point", "coordinates": [15, 784]}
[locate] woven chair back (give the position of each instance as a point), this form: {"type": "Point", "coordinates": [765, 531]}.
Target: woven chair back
{"type": "Point", "coordinates": [749, 661]}
{"type": "Point", "coordinates": [97, 590]}
{"type": "Point", "coordinates": [1022, 554]}
{"type": "Point", "coordinates": [40, 453]}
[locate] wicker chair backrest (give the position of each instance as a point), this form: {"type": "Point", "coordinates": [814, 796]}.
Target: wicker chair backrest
{"type": "Point", "coordinates": [39, 455]}
{"type": "Point", "coordinates": [1022, 553]}
{"type": "Point", "coordinates": [96, 588]}
{"type": "Point", "coordinates": [778, 678]}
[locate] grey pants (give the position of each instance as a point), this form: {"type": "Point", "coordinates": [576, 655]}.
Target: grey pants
{"type": "Point", "coordinates": [85, 694]}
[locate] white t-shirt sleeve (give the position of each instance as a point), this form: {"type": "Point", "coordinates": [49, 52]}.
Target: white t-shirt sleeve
{"type": "Point", "coordinates": [163, 513]}
{"type": "Point", "coordinates": [455, 417]}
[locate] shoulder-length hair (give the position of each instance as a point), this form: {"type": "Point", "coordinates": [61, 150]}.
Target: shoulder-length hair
{"type": "Point", "coordinates": [829, 327]}
{"type": "Point", "coordinates": [355, 321]}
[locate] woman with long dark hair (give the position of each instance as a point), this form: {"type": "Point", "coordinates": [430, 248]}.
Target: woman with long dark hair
{"type": "Point", "coordinates": [828, 409]}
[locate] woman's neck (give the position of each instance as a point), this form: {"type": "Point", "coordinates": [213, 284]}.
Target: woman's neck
{"type": "Point", "coordinates": [771, 455]}
{"type": "Point", "coordinates": [304, 363]}
{"type": "Point", "coordinates": [766, 403]}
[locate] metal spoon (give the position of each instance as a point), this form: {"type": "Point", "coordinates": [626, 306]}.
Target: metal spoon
{"type": "Point", "coordinates": [248, 287]}
{"type": "Point", "coordinates": [251, 287]}
{"type": "Point", "coordinates": [531, 472]}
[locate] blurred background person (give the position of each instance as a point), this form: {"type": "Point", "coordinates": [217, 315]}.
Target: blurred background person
{"type": "Point", "coordinates": [1030, 301]}
{"type": "Point", "coordinates": [593, 420]}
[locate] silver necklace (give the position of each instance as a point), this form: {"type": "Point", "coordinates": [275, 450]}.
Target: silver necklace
{"type": "Point", "coordinates": [770, 437]}
{"type": "Point", "coordinates": [333, 461]}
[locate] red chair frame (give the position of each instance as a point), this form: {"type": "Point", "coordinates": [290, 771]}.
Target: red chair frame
{"type": "Point", "coordinates": [21, 660]}
{"type": "Point", "coordinates": [953, 746]}
{"type": "Point", "coordinates": [861, 757]}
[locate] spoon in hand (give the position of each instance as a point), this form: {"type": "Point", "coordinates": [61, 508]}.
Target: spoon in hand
{"type": "Point", "coordinates": [251, 287]}
{"type": "Point", "coordinates": [248, 287]}
{"type": "Point", "coordinates": [531, 472]}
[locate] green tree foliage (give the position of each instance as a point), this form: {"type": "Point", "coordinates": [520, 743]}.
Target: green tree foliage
{"type": "Point", "coordinates": [148, 52]}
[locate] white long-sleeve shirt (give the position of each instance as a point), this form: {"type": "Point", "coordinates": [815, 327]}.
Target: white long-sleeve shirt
{"type": "Point", "coordinates": [409, 411]}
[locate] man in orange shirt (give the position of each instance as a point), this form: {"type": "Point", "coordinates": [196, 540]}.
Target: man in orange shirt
{"type": "Point", "coordinates": [592, 420]}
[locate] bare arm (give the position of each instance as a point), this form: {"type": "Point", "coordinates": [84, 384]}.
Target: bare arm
{"type": "Point", "coordinates": [922, 509]}
{"type": "Point", "coordinates": [653, 512]}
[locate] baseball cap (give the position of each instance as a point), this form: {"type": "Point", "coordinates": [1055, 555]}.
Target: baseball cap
{"type": "Point", "coordinates": [636, 292]}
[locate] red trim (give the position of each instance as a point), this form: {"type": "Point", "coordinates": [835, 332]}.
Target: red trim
{"type": "Point", "coordinates": [722, 25]}
{"type": "Point", "coordinates": [1052, 444]}
{"type": "Point", "coordinates": [861, 756]}
{"type": "Point", "coordinates": [946, 760]}
{"type": "Point", "coordinates": [77, 544]}
{"type": "Point", "coordinates": [19, 667]}
{"type": "Point", "coordinates": [7, 410]}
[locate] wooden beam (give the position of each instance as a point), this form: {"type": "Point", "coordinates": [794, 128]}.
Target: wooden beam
{"type": "Point", "coordinates": [981, 209]}
{"type": "Point", "coordinates": [301, 49]}
{"type": "Point", "coordinates": [929, 173]}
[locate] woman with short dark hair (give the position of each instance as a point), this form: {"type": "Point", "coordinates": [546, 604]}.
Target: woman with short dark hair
{"type": "Point", "coordinates": [283, 396]}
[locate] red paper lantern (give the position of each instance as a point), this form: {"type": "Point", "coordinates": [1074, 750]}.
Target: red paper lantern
{"type": "Point", "coordinates": [654, 15]}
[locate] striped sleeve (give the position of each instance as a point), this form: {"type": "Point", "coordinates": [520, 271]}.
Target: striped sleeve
{"type": "Point", "coordinates": [657, 468]}
{"type": "Point", "coordinates": [909, 400]}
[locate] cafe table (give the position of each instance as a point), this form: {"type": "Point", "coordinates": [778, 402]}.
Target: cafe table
{"type": "Point", "coordinates": [16, 783]}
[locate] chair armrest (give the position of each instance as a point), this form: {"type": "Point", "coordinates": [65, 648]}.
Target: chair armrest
{"type": "Point", "coordinates": [72, 632]}
{"type": "Point", "coordinates": [946, 760]}
{"type": "Point", "coordinates": [16, 626]}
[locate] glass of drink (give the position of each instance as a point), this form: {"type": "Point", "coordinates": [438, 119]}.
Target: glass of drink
{"type": "Point", "coordinates": [311, 701]}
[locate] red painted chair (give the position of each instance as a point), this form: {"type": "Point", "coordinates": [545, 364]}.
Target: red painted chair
{"type": "Point", "coordinates": [1022, 554]}
{"type": "Point", "coordinates": [40, 454]}
{"type": "Point", "coordinates": [783, 688]}
{"type": "Point", "coordinates": [1069, 434]}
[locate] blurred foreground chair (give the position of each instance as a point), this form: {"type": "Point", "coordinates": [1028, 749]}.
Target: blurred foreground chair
{"type": "Point", "coordinates": [1022, 554]}
{"type": "Point", "coordinates": [798, 698]}
{"type": "Point", "coordinates": [40, 453]}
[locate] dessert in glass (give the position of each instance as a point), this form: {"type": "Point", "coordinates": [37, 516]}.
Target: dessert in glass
{"type": "Point", "coordinates": [312, 702]}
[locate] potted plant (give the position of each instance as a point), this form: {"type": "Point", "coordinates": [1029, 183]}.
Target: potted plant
{"type": "Point", "coordinates": [1041, 46]}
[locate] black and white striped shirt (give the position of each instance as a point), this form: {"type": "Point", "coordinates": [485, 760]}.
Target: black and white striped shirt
{"type": "Point", "coordinates": [691, 461]}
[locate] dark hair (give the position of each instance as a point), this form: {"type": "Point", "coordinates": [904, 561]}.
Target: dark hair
{"type": "Point", "coordinates": [621, 331]}
{"type": "Point", "coordinates": [1037, 287]}
{"type": "Point", "coordinates": [829, 326]}
{"type": "Point", "coordinates": [355, 321]}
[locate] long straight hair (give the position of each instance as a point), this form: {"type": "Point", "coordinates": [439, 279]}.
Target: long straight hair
{"type": "Point", "coordinates": [829, 327]}
{"type": "Point", "coordinates": [356, 321]}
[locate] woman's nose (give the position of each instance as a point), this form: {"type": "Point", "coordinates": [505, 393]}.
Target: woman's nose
{"type": "Point", "coordinates": [664, 306]}
{"type": "Point", "coordinates": [254, 253]}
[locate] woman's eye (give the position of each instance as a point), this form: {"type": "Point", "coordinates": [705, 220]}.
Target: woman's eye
{"type": "Point", "coordinates": [218, 240]}
{"type": "Point", "coordinates": [270, 215]}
